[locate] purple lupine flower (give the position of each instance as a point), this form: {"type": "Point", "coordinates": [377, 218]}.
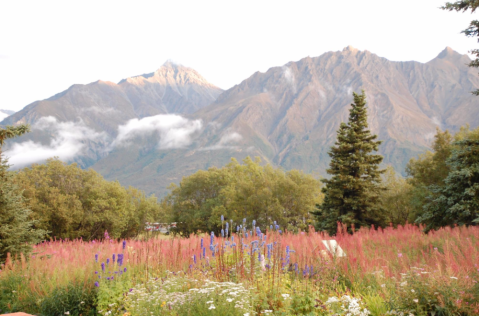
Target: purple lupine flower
{"type": "Point", "coordinates": [96, 257]}
{"type": "Point", "coordinates": [99, 276]}
{"type": "Point", "coordinates": [103, 266]}
{"type": "Point", "coordinates": [226, 231]}
{"type": "Point", "coordinates": [131, 290]}
{"type": "Point", "coordinates": [244, 221]}
{"type": "Point", "coordinates": [201, 242]}
{"type": "Point", "coordinates": [222, 218]}
{"type": "Point", "coordinates": [120, 259]}
{"type": "Point", "coordinates": [107, 260]}
{"type": "Point", "coordinates": [112, 278]}
{"type": "Point", "coordinates": [124, 270]}
{"type": "Point", "coordinates": [259, 256]}
{"type": "Point", "coordinates": [108, 278]}
{"type": "Point", "coordinates": [113, 258]}
{"type": "Point", "coordinates": [204, 252]}
{"type": "Point", "coordinates": [222, 233]}
{"type": "Point", "coordinates": [227, 225]}
{"type": "Point", "coordinates": [254, 222]}
{"type": "Point", "coordinates": [194, 259]}
{"type": "Point", "coordinates": [233, 238]}
{"type": "Point", "coordinates": [271, 227]}
{"type": "Point", "coordinates": [96, 272]}
{"type": "Point", "coordinates": [212, 238]}
{"type": "Point", "coordinates": [97, 284]}
{"type": "Point", "coordinates": [124, 244]}
{"type": "Point", "coordinates": [246, 235]}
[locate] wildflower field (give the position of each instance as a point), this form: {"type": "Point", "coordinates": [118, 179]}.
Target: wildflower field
{"type": "Point", "coordinates": [395, 271]}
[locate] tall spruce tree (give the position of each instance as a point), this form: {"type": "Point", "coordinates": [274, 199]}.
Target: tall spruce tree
{"type": "Point", "coordinates": [352, 193]}
{"type": "Point", "coordinates": [17, 231]}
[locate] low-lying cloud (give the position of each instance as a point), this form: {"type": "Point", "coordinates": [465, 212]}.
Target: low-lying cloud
{"type": "Point", "coordinates": [174, 131]}
{"type": "Point", "coordinates": [226, 141]}
{"type": "Point", "coordinates": [68, 140]}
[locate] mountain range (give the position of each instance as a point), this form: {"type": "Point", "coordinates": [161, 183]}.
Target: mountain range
{"type": "Point", "coordinates": [153, 129]}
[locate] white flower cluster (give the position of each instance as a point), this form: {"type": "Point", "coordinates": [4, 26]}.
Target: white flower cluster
{"type": "Point", "coordinates": [154, 296]}
{"type": "Point", "coordinates": [350, 305]}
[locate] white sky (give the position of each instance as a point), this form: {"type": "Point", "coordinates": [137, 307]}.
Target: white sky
{"type": "Point", "coordinates": [46, 46]}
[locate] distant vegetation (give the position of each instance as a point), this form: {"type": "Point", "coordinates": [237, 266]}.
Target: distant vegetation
{"type": "Point", "coordinates": [239, 191]}
{"type": "Point", "coordinates": [70, 202]}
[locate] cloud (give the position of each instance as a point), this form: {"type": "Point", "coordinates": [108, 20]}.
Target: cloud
{"type": "Point", "coordinates": [225, 141]}
{"type": "Point", "coordinates": [68, 141]}
{"type": "Point", "coordinates": [174, 131]}
{"type": "Point", "coordinates": [3, 56]}
{"type": "Point", "coordinates": [97, 109]}
{"type": "Point", "coordinates": [3, 116]}
{"type": "Point", "coordinates": [436, 121]}
{"type": "Point", "coordinates": [289, 76]}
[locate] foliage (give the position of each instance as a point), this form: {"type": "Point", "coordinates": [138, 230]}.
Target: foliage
{"type": "Point", "coordinates": [352, 193]}
{"type": "Point", "coordinates": [73, 299]}
{"type": "Point", "coordinates": [456, 201]}
{"type": "Point", "coordinates": [472, 30]}
{"type": "Point", "coordinates": [12, 131]}
{"type": "Point", "coordinates": [74, 203]}
{"type": "Point", "coordinates": [424, 292]}
{"type": "Point", "coordinates": [429, 171]}
{"type": "Point", "coordinates": [17, 230]}
{"type": "Point", "coordinates": [240, 191]}
{"type": "Point", "coordinates": [395, 199]}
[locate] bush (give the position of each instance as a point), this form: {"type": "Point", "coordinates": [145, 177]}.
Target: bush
{"type": "Point", "coordinates": [75, 299]}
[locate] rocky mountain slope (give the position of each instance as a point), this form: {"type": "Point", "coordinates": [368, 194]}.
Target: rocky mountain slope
{"type": "Point", "coordinates": [103, 106]}
{"type": "Point", "coordinates": [288, 115]}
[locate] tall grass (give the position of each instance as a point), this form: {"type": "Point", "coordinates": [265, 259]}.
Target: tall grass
{"type": "Point", "coordinates": [377, 262]}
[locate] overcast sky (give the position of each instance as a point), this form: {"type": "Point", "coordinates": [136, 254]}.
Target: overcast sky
{"type": "Point", "coordinates": [46, 46]}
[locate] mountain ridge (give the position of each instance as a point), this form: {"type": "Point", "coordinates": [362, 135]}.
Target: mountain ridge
{"type": "Point", "coordinates": [289, 114]}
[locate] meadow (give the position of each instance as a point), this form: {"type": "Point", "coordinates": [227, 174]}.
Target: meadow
{"type": "Point", "coordinates": [391, 271]}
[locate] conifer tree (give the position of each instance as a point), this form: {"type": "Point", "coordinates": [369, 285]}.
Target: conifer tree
{"type": "Point", "coordinates": [352, 193]}
{"type": "Point", "coordinates": [16, 228]}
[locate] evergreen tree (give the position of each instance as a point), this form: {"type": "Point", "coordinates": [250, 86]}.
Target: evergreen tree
{"type": "Point", "coordinates": [16, 228]}
{"type": "Point", "coordinates": [472, 30]}
{"type": "Point", "coordinates": [456, 202]}
{"type": "Point", "coordinates": [352, 193]}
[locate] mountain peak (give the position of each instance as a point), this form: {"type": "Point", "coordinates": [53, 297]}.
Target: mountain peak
{"type": "Point", "coordinates": [351, 49]}
{"type": "Point", "coordinates": [448, 52]}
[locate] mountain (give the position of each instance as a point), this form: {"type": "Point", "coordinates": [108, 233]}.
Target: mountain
{"type": "Point", "coordinates": [103, 106]}
{"type": "Point", "coordinates": [289, 115]}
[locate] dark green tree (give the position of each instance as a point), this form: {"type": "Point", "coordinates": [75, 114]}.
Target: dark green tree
{"type": "Point", "coordinates": [456, 202]}
{"type": "Point", "coordinates": [17, 231]}
{"type": "Point", "coordinates": [472, 30]}
{"type": "Point", "coordinates": [352, 193]}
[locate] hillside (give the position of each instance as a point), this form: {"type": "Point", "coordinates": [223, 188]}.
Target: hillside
{"type": "Point", "coordinates": [288, 115]}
